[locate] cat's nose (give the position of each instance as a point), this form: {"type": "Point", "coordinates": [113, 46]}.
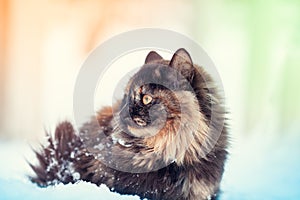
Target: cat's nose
{"type": "Point", "coordinates": [139, 121]}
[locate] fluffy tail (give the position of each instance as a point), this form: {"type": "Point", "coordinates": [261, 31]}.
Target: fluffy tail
{"type": "Point", "coordinates": [56, 159]}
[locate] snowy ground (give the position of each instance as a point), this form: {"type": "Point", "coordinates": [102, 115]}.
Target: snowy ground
{"type": "Point", "coordinates": [15, 185]}
{"type": "Point", "coordinates": [264, 168]}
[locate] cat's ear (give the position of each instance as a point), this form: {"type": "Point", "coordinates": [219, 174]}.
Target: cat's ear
{"type": "Point", "coordinates": [152, 56]}
{"type": "Point", "coordinates": [182, 62]}
{"type": "Point", "coordinates": [179, 57]}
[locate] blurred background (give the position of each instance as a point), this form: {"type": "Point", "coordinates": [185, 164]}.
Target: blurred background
{"type": "Point", "coordinates": [255, 46]}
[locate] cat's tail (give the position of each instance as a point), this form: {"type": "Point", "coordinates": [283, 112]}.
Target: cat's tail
{"type": "Point", "coordinates": [56, 160]}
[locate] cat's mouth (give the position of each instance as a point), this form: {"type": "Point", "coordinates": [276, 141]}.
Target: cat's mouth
{"type": "Point", "coordinates": [139, 121]}
{"type": "Point", "coordinates": [139, 127]}
{"type": "Point", "coordinates": [143, 124]}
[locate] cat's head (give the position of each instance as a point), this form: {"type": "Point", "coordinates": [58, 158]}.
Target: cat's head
{"type": "Point", "coordinates": [164, 114]}
{"type": "Point", "coordinates": [159, 96]}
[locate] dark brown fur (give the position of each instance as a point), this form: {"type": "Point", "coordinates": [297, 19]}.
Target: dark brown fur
{"type": "Point", "coordinates": [188, 175]}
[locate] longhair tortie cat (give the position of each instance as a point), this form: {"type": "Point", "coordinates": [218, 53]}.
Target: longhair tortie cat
{"type": "Point", "coordinates": [165, 140]}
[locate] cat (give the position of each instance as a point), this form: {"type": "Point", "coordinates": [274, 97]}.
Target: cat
{"type": "Point", "coordinates": [159, 142]}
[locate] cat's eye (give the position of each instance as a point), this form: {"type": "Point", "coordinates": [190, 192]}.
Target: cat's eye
{"type": "Point", "coordinates": [147, 99]}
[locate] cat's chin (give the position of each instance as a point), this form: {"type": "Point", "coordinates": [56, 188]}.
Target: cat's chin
{"type": "Point", "coordinates": [143, 132]}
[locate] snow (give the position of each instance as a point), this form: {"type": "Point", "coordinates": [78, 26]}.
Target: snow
{"type": "Point", "coordinates": [260, 166]}
{"type": "Point", "coordinates": [263, 165]}
{"type": "Point", "coordinates": [12, 189]}
{"type": "Point", "coordinates": [14, 184]}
